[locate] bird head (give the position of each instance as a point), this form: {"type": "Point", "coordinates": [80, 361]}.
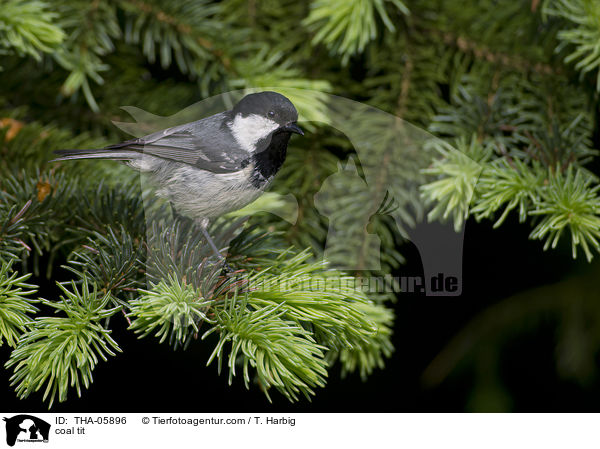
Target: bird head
{"type": "Point", "coordinates": [257, 116]}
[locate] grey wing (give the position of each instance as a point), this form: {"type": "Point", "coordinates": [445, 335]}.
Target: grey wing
{"type": "Point", "coordinates": [207, 144]}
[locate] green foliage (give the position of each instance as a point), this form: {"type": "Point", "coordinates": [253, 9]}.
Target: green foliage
{"type": "Point", "coordinates": [15, 307]}
{"type": "Point", "coordinates": [91, 27]}
{"type": "Point", "coordinates": [287, 323]}
{"type": "Point", "coordinates": [111, 258]}
{"type": "Point", "coordinates": [502, 186]}
{"type": "Point", "coordinates": [331, 304]}
{"type": "Point", "coordinates": [171, 310]}
{"type": "Point", "coordinates": [61, 353]}
{"type": "Point", "coordinates": [27, 27]}
{"type": "Point", "coordinates": [30, 223]}
{"type": "Point", "coordinates": [583, 33]}
{"type": "Point", "coordinates": [405, 76]}
{"type": "Point", "coordinates": [173, 32]}
{"type": "Point", "coordinates": [346, 27]}
{"type": "Point", "coordinates": [531, 129]}
{"type": "Point", "coordinates": [458, 172]}
{"type": "Point", "coordinates": [372, 353]}
{"type": "Point", "coordinates": [285, 355]}
{"type": "Point", "coordinates": [569, 202]}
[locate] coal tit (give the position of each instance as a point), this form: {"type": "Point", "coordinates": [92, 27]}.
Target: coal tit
{"type": "Point", "coordinates": [215, 165]}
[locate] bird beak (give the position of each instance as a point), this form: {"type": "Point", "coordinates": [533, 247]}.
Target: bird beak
{"type": "Point", "coordinates": [293, 128]}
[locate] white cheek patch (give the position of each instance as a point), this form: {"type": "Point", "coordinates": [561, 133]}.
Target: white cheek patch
{"type": "Point", "coordinates": [250, 129]}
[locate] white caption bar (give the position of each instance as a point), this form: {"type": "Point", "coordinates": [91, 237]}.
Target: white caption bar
{"type": "Point", "coordinates": [250, 430]}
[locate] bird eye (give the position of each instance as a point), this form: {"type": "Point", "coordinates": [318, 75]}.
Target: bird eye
{"type": "Point", "coordinates": [271, 113]}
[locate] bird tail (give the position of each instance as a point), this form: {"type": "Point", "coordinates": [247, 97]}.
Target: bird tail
{"type": "Point", "coordinates": [68, 155]}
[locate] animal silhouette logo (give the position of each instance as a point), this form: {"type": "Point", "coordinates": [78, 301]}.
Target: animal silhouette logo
{"type": "Point", "coordinates": [350, 245]}
{"type": "Point", "coordinates": [26, 428]}
{"type": "Point", "coordinates": [382, 183]}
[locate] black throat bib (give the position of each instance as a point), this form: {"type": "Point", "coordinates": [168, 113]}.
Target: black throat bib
{"type": "Point", "coordinates": [269, 161]}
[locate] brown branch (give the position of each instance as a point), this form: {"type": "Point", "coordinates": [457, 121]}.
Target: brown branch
{"type": "Point", "coordinates": [21, 213]}
{"type": "Point", "coordinates": [506, 155]}
{"type": "Point", "coordinates": [404, 87]}
{"type": "Point", "coordinates": [484, 53]}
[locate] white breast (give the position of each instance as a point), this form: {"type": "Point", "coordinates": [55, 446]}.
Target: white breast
{"type": "Point", "coordinates": [200, 194]}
